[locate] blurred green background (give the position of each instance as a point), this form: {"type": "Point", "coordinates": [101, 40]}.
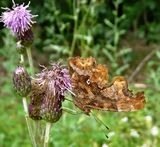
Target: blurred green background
{"type": "Point", "coordinates": [124, 35]}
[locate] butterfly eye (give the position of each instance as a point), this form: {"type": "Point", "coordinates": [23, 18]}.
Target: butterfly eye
{"type": "Point", "coordinates": [88, 82]}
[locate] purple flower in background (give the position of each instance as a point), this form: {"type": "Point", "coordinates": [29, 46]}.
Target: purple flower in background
{"type": "Point", "coordinates": [18, 19]}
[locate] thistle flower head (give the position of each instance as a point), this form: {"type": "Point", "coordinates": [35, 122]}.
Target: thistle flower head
{"type": "Point", "coordinates": [57, 79]}
{"type": "Point", "coordinates": [58, 82]}
{"type": "Point", "coordinates": [18, 19]}
{"type": "Point", "coordinates": [50, 90]}
{"type": "Point", "coordinates": [36, 98]}
{"type": "Point", "coordinates": [21, 81]}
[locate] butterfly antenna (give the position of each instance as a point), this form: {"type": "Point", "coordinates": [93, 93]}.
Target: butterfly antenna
{"type": "Point", "coordinates": [99, 121]}
{"type": "Point", "coordinates": [107, 136]}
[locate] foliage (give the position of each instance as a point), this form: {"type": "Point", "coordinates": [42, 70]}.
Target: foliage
{"type": "Point", "coordinates": [87, 28]}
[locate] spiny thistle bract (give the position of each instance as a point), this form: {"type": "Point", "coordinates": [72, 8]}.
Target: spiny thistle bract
{"type": "Point", "coordinates": [51, 110]}
{"type": "Point", "coordinates": [21, 81]}
{"type": "Point", "coordinates": [19, 20]}
{"type": "Point", "coordinates": [51, 85]}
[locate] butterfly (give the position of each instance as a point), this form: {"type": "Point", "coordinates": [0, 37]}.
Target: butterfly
{"type": "Point", "coordinates": [92, 89]}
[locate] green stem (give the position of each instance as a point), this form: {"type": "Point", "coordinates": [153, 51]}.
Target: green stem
{"type": "Point", "coordinates": [75, 28]}
{"type": "Point", "coordinates": [30, 60]}
{"type": "Point", "coordinates": [82, 28]}
{"type": "Point", "coordinates": [22, 59]}
{"type": "Point", "coordinates": [25, 105]}
{"type": "Point", "coordinates": [39, 136]}
{"type": "Point", "coordinates": [47, 132]}
{"type": "Point", "coordinates": [28, 122]}
{"type": "Point", "coordinates": [116, 35]}
{"type": "Point", "coordinates": [116, 29]}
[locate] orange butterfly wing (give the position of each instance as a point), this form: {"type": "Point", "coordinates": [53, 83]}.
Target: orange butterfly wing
{"type": "Point", "coordinates": [93, 91]}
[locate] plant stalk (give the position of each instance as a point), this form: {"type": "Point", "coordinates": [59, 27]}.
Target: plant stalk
{"type": "Point", "coordinates": [75, 28]}
{"type": "Point", "coordinates": [29, 54]}
{"type": "Point", "coordinates": [28, 122]}
{"type": "Point", "coordinates": [22, 59]}
{"type": "Point", "coordinates": [47, 132]}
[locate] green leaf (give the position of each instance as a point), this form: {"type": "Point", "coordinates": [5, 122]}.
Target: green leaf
{"type": "Point", "coordinates": [108, 23]}
{"type": "Point", "coordinates": [108, 55]}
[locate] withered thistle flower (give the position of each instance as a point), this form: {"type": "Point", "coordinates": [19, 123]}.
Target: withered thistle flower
{"type": "Point", "coordinates": [36, 97]}
{"type": "Point", "coordinates": [34, 111]}
{"type": "Point", "coordinates": [22, 81]}
{"type": "Point", "coordinates": [54, 83]}
{"type": "Point", "coordinates": [19, 20]}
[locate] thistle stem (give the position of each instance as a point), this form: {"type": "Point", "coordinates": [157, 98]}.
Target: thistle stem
{"type": "Point", "coordinates": [28, 122]}
{"type": "Point", "coordinates": [29, 54]}
{"type": "Point", "coordinates": [39, 136]}
{"type": "Point", "coordinates": [22, 59]}
{"type": "Point", "coordinates": [47, 132]}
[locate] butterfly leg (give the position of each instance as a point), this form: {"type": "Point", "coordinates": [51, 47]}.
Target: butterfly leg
{"type": "Point", "coordinates": [73, 112]}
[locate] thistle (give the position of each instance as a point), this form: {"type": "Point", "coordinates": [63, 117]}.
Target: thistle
{"type": "Point", "coordinates": [22, 81]}
{"type": "Point", "coordinates": [53, 83]}
{"type": "Point", "coordinates": [51, 110]}
{"type": "Point", "coordinates": [19, 21]}
{"type": "Point", "coordinates": [34, 112]}
{"type": "Point", "coordinates": [36, 96]}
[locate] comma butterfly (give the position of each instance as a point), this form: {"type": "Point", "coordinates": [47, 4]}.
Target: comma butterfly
{"type": "Point", "coordinates": [92, 89]}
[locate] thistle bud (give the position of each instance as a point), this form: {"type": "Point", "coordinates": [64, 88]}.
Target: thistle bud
{"type": "Point", "coordinates": [22, 81]}
{"type": "Point", "coordinates": [48, 91]}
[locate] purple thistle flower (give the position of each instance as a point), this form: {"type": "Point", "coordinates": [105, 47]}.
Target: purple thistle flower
{"type": "Point", "coordinates": [54, 83]}
{"type": "Point", "coordinates": [59, 82]}
{"type": "Point", "coordinates": [57, 77]}
{"type": "Point", "coordinates": [18, 19]}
